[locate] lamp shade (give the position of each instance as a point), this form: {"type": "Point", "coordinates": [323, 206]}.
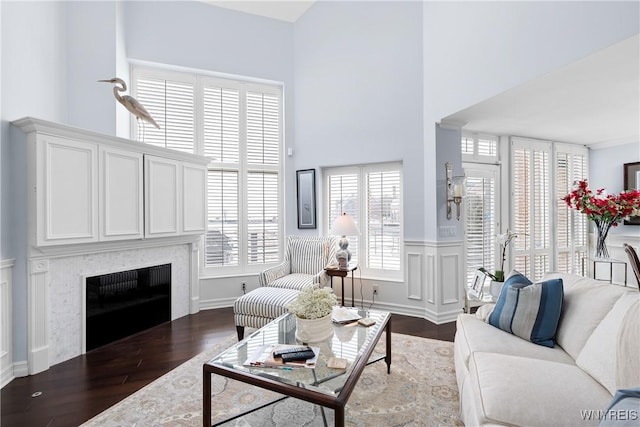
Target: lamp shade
{"type": "Point", "coordinates": [344, 226]}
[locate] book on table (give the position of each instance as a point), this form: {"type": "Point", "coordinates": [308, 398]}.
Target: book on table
{"type": "Point", "coordinates": [263, 357]}
{"type": "Point", "coordinates": [344, 315]}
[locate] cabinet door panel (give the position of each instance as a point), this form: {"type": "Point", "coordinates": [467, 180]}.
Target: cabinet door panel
{"type": "Point", "coordinates": [161, 195]}
{"type": "Point", "coordinates": [121, 194]}
{"type": "Point", "coordinates": [194, 196]}
{"type": "Point", "coordinates": [67, 191]}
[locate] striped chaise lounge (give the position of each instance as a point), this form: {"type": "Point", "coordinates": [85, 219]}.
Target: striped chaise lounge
{"type": "Point", "coordinates": [304, 261]}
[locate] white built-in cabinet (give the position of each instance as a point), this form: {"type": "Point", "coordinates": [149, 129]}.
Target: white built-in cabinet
{"type": "Point", "coordinates": [121, 194]}
{"type": "Point", "coordinates": [92, 188]}
{"type": "Point", "coordinates": [67, 191]}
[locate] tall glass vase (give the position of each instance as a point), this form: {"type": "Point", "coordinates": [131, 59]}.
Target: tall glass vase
{"type": "Point", "coordinates": [602, 229]}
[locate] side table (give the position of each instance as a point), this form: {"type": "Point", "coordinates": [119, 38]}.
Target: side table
{"type": "Point", "coordinates": [342, 273]}
{"type": "Point", "coordinates": [611, 262]}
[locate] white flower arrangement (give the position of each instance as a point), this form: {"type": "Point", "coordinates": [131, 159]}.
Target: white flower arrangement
{"type": "Point", "coordinates": [313, 303]}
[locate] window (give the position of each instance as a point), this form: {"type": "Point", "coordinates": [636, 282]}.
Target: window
{"type": "Point", "coordinates": [479, 148]}
{"type": "Point", "coordinates": [481, 207]}
{"type": "Point", "coordinates": [482, 202]}
{"type": "Point", "coordinates": [551, 237]}
{"type": "Point", "coordinates": [238, 125]}
{"type": "Point", "coordinates": [372, 194]}
{"type": "Point", "coordinates": [531, 206]}
{"type": "Point", "coordinates": [571, 231]}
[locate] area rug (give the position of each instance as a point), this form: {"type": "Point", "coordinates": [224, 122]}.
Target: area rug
{"type": "Point", "coordinates": [420, 391]}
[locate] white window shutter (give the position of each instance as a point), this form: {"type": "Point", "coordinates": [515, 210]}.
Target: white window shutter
{"type": "Point", "coordinates": [531, 217]}
{"type": "Point", "coordinates": [480, 220]}
{"type": "Point", "coordinates": [344, 197]}
{"type": "Point", "coordinates": [171, 104]}
{"type": "Point", "coordinates": [383, 220]}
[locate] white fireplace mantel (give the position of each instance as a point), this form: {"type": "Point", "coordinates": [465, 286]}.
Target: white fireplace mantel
{"type": "Point", "coordinates": [99, 204]}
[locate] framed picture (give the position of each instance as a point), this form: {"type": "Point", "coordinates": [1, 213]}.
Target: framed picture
{"type": "Point", "coordinates": [477, 285]}
{"type": "Point", "coordinates": [306, 183]}
{"type": "Point", "coordinates": [632, 182]}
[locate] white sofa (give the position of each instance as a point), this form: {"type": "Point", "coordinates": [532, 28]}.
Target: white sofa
{"type": "Point", "coordinates": [506, 380]}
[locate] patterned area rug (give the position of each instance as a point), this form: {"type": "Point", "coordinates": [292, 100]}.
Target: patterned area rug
{"type": "Point", "coordinates": [420, 391]}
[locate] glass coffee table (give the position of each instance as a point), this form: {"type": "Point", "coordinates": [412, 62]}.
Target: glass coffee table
{"type": "Point", "coordinates": [321, 385]}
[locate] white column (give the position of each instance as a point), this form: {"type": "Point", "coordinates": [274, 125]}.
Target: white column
{"type": "Point", "coordinates": [38, 295]}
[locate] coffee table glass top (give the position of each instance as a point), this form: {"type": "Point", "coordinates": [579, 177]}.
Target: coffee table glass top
{"type": "Point", "coordinates": [348, 342]}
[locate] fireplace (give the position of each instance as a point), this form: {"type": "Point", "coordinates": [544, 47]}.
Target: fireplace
{"type": "Point", "coordinates": [122, 303]}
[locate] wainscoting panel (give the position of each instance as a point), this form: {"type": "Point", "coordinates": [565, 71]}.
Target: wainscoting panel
{"type": "Point", "coordinates": [431, 278]}
{"type": "Point", "coordinates": [414, 276]}
{"type": "Point", "coordinates": [6, 316]}
{"type": "Point", "coordinates": [450, 265]}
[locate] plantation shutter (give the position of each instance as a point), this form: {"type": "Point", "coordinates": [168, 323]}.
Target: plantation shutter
{"type": "Point", "coordinates": [263, 131]}
{"type": "Point", "coordinates": [263, 157]}
{"type": "Point", "coordinates": [383, 219]}
{"type": "Point", "coordinates": [480, 219]}
{"type": "Point", "coordinates": [221, 137]}
{"type": "Point", "coordinates": [343, 196]}
{"type": "Point", "coordinates": [262, 214]}
{"type": "Point", "coordinates": [531, 207]}
{"type": "Point", "coordinates": [238, 127]}
{"type": "Point", "coordinates": [571, 231]}
{"type": "Point", "coordinates": [221, 121]}
{"type": "Point", "coordinates": [171, 104]}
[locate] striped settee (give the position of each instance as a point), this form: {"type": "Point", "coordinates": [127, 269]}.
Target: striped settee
{"type": "Point", "coordinates": [303, 266]}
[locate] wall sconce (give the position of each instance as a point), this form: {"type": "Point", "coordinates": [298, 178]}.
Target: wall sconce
{"type": "Point", "coordinates": [455, 190]}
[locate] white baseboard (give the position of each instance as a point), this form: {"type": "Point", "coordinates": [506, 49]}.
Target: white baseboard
{"type": "Point", "coordinates": [6, 376]}
{"type": "Point", "coordinates": [20, 369]}
{"type": "Point", "coordinates": [216, 303]}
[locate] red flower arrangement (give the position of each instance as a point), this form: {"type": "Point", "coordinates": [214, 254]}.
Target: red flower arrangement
{"type": "Point", "coordinates": [605, 210]}
{"type": "Point", "coordinates": [603, 207]}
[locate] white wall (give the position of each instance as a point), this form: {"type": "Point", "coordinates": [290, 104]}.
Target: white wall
{"type": "Point", "coordinates": [358, 79]}
{"type": "Point", "coordinates": [90, 49]}
{"type": "Point", "coordinates": [34, 84]}
{"type": "Point", "coordinates": [606, 171]}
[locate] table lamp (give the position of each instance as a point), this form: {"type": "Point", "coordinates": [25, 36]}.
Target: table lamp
{"type": "Point", "coordinates": [344, 226]}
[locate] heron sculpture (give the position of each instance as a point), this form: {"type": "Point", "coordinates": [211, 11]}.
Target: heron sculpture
{"type": "Point", "coordinates": [131, 104]}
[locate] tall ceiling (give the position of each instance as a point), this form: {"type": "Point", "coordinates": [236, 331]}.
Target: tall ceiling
{"type": "Point", "coordinates": [593, 101]}
{"type": "Point", "coordinates": [284, 10]}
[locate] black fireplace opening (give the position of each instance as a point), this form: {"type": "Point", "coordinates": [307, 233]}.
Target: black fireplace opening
{"type": "Point", "coordinates": [123, 303]}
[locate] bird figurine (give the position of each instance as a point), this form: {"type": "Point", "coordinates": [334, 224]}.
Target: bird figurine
{"type": "Point", "coordinates": [131, 104]}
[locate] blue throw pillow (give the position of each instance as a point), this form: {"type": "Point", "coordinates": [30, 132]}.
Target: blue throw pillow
{"type": "Point", "coordinates": [529, 310]}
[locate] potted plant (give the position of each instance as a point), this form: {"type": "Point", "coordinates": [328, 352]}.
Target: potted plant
{"type": "Point", "coordinates": [497, 277]}
{"type": "Point", "coordinates": [313, 309]}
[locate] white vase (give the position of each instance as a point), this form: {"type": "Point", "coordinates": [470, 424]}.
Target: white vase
{"type": "Point", "coordinates": [314, 330]}
{"type": "Point", "coordinates": [495, 288]}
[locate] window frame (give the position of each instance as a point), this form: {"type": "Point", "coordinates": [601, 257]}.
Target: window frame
{"type": "Point", "coordinates": [200, 79]}
{"type": "Point", "coordinates": [361, 171]}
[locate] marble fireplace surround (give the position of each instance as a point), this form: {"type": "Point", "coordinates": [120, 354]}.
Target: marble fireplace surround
{"type": "Point", "coordinates": [57, 290]}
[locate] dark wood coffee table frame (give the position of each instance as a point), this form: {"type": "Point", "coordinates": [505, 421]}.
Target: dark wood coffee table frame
{"type": "Point", "coordinates": [336, 403]}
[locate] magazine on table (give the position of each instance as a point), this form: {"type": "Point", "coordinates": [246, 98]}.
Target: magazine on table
{"type": "Point", "coordinates": [263, 357]}
{"type": "Point", "coordinates": [345, 315]}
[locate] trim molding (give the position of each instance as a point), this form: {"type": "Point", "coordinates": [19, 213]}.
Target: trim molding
{"type": "Point", "coordinates": [6, 322]}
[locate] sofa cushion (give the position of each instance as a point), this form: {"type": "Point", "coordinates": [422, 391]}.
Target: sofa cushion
{"type": "Point", "coordinates": [297, 282]}
{"type": "Point", "coordinates": [529, 311]}
{"type": "Point", "coordinates": [473, 334]}
{"type": "Point", "coordinates": [585, 305]}
{"type": "Point", "coordinates": [602, 356]}
{"type": "Point", "coordinates": [511, 390]}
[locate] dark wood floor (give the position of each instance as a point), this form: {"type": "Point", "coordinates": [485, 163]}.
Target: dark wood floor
{"type": "Point", "coordinates": [76, 390]}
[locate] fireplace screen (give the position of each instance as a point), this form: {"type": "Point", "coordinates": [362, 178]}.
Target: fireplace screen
{"type": "Point", "coordinates": [123, 303]}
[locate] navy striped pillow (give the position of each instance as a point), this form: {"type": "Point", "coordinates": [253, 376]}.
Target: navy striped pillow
{"type": "Point", "coordinates": [529, 310]}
